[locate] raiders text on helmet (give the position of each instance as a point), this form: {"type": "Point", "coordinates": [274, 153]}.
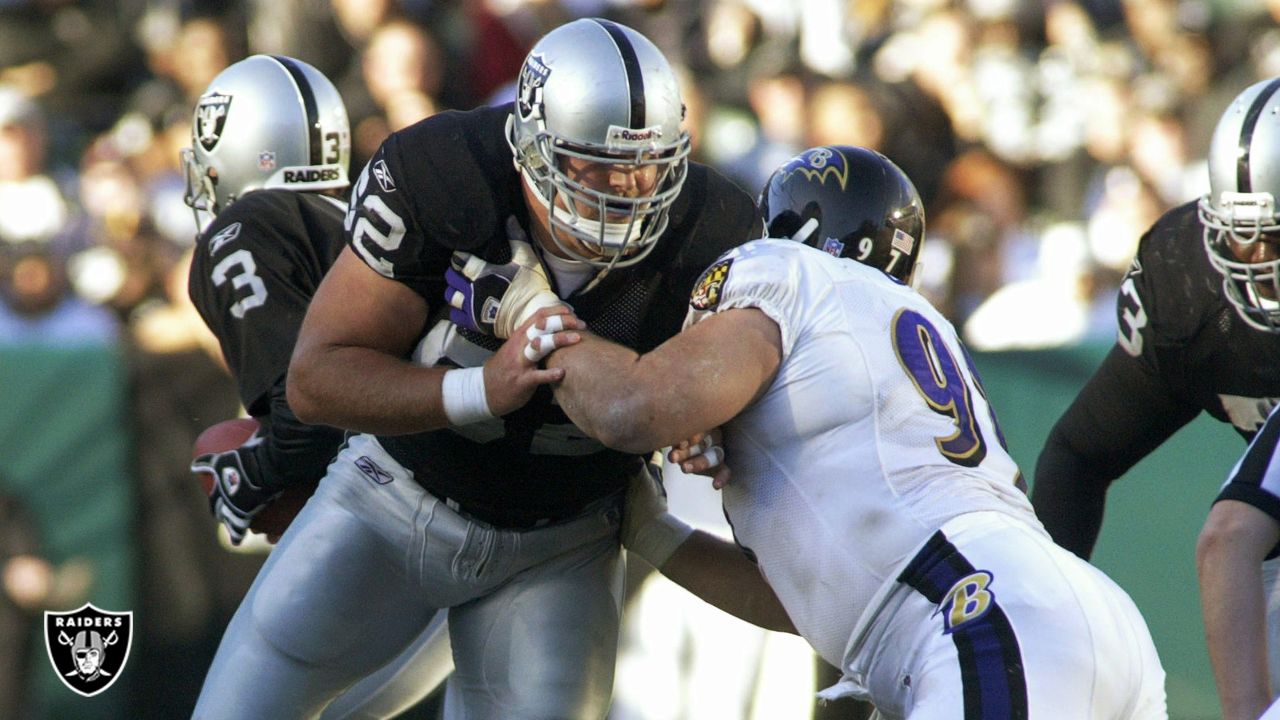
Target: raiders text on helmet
{"type": "Point", "coordinates": [848, 201]}
{"type": "Point", "coordinates": [1244, 185]}
{"type": "Point", "coordinates": [600, 92]}
{"type": "Point", "coordinates": [267, 121]}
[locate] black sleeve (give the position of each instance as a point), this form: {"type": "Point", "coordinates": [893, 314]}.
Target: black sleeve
{"type": "Point", "coordinates": [392, 222]}
{"type": "Point", "coordinates": [293, 452]}
{"type": "Point", "coordinates": [245, 284]}
{"type": "Point", "coordinates": [1121, 415]}
{"type": "Point", "coordinates": [713, 215]}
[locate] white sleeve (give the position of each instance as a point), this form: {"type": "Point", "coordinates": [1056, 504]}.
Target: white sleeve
{"type": "Point", "coordinates": [753, 275]}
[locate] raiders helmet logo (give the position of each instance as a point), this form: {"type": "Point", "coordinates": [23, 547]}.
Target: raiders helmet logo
{"type": "Point", "coordinates": [706, 294]}
{"type": "Point", "coordinates": [533, 76]}
{"type": "Point", "coordinates": [88, 647]}
{"type": "Point", "coordinates": [211, 116]}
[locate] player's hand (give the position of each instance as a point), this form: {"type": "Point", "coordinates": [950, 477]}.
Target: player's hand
{"type": "Point", "coordinates": [234, 496]}
{"type": "Point", "coordinates": [512, 374]}
{"type": "Point", "coordinates": [703, 454]}
{"type": "Point", "coordinates": [648, 529]}
{"type": "Point", "coordinates": [497, 299]}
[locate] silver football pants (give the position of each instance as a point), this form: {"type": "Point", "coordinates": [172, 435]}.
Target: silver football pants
{"type": "Point", "coordinates": [533, 615]}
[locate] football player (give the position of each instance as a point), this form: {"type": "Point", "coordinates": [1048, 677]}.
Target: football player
{"type": "Point", "coordinates": [469, 489]}
{"type": "Point", "coordinates": [870, 480]}
{"type": "Point", "coordinates": [1198, 332]}
{"type": "Point", "coordinates": [1242, 531]}
{"type": "Point", "coordinates": [270, 144]}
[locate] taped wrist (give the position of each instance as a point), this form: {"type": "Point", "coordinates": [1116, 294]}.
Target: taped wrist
{"type": "Point", "coordinates": [657, 539]}
{"type": "Point", "coordinates": [527, 299]}
{"type": "Point", "coordinates": [462, 394]}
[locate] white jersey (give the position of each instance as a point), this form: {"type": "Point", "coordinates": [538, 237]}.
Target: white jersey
{"type": "Point", "coordinates": [874, 433]}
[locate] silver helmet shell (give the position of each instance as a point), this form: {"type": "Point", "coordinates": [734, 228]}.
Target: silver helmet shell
{"type": "Point", "coordinates": [267, 121]}
{"type": "Point", "coordinates": [601, 92]}
{"type": "Point", "coordinates": [1244, 187]}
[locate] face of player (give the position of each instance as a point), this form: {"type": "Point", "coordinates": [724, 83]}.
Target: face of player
{"type": "Point", "coordinates": [1264, 249]}
{"type": "Point", "coordinates": [621, 179]}
{"type": "Point", "coordinates": [618, 179]}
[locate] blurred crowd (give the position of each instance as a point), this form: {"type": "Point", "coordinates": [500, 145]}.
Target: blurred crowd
{"type": "Point", "coordinates": [1044, 137]}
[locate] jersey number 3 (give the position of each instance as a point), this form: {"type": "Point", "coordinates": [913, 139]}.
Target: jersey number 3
{"type": "Point", "coordinates": [240, 268]}
{"type": "Point", "coordinates": [937, 376]}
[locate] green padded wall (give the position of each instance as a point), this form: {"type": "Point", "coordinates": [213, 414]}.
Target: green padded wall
{"type": "Point", "coordinates": [64, 451]}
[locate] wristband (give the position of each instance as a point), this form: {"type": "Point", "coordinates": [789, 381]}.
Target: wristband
{"type": "Point", "coordinates": [658, 539]}
{"type": "Point", "coordinates": [462, 394]}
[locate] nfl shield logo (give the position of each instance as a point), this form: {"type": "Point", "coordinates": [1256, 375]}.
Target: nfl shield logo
{"type": "Point", "coordinates": [88, 647]}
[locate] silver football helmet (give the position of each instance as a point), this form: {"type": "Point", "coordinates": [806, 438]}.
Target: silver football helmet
{"type": "Point", "coordinates": [595, 91]}
{"type": "Point", "coordinates": [267, 121]}
{"type": "Point", "coordinates": [1240, 209]}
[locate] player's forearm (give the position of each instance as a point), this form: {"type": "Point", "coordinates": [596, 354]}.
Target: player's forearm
{"type": "Point", "coordinates": [698, 379]}
{"type": "Point", "coordinates": [1234, 610]}
{"type": "Point", "coordinates": [719, 573]}
{"type": "Point", "coordinates": [365, 390]}
{"type": "Point", "coordinates": [292, 451]}
{"type": "Point", "coordinates": [605, 394]}
{"type": "Point", "coordinates": [1068, 501]}
{"type": "Point", "coordinates": [1120, 416]}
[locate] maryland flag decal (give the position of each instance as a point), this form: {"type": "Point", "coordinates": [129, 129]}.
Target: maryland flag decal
{"type": "Point", "coordinates": [706, 294]}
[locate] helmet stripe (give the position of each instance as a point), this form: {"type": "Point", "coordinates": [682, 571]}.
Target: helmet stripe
{"type": "Point", "coordinates": [630, 63]}
{"type": "Point", "coordinates": [1243, 182]}
{"type": "Point", "coordinates": [316, 152]}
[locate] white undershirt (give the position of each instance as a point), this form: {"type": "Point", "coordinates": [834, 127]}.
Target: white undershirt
{"type": "Point", "coordinates": [570, 274]}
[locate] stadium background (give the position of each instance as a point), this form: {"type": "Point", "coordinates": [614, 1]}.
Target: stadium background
{"type": "Point", "coordinates": [1045, 137]}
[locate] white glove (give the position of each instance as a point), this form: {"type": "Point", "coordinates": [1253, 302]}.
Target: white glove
{"type": "Point", "coordinates": [648, 529]}
{"type": "Point", "coordinates": [497, 299]}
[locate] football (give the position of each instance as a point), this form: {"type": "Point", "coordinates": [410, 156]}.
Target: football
{"type": "Point", "coordinates": [276, 516]}
{"type": "Point", "coordinates": [224, 436]}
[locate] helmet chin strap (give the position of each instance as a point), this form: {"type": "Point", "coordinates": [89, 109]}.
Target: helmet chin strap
{"type": "Point", "coordinates": [615, 236]}
{"type": "Point", "coordinates": [1265, 304]}
{"type": "Point", "coordinates": [805, 230]}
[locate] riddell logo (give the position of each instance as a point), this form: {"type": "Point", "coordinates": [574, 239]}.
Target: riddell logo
{"type": "Point", "coordinates": [618, 136]}
{"type": "Point", "coordinates": [637, 134]}
{"type": "Point", "coordinates": [88, 647]}
{"type": "Point", "coordinates": [310, 175]}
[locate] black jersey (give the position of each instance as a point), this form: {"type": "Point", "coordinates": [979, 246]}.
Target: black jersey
{"type": "Point", "coordinates": [253, 273]}
{"type": "Point", "coordinates": [448, 183]}
{"type": "Point", "coordinates": [1181, 349]}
